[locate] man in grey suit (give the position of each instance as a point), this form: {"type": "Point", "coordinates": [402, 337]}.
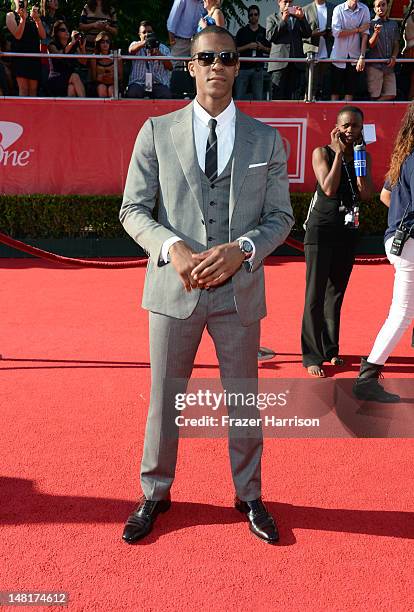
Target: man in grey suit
{"type": "Point", "coordinates": [207, 197]}
{"type": "Point", "coordinates": [285, 29]}
{"type": "Point", "coordinates": [319, 16]}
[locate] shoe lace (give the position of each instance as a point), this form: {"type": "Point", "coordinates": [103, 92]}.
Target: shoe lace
{"type": "Point", "coordinates": [258, 508]}
{"type": "Point", "coordinates": [146, 506]}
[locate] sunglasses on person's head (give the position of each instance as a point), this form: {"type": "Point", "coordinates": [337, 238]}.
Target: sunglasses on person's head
{"type": "Point", "coordinates": [206, 58]}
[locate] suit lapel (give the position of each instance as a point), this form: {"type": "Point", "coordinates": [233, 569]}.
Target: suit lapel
{"type": "Point", "coordinates": [182, 134]}
{"type": "Point", "coordinates": [241, 158]}
{"type": "Point", "coordinates": [314, 14]}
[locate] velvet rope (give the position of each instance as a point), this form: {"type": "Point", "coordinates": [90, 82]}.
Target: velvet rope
{"type": "Point", "coordinates": [134, 263]}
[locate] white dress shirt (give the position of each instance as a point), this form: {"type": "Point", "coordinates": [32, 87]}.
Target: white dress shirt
{"type": "Point", "coordinates": [225, 130]}
{"type": "Point", "coordinates": [344, 18]}
{"type": "Point", "coordinates": [322, 21]}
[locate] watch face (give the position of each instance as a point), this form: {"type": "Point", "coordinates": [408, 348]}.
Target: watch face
{"type": "Point", "coordinates": [246, 246]}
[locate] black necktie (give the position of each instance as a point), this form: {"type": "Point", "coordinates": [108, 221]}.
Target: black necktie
{"type": "Point", "coordinates": [211, 151]}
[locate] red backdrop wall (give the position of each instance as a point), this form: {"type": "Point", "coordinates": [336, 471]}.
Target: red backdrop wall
{"type": "Point", "coordinates": [84, 147]}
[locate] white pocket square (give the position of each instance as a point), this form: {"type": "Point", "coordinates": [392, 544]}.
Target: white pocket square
{"type": "Point", "coordinates": [256, 165]}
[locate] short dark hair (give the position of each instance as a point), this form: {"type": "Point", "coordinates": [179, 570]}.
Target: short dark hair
{"type": "Point", "coordinates": [254, 7]}
{"type": "Point", "coordinates": [350, 109]}
{"type": "Point", "coordinates": [145, 24]}
{"type": "Point", "coordinates": [214, 29]}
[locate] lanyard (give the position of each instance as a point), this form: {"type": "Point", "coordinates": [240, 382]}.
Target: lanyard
{"type": "Point", "coordinates": [355, 197]}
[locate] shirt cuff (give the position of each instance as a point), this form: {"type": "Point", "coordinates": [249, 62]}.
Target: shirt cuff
{"type": "Point", "coordinates": [251, 257]}
{"type": "Point", "coordinates": [166, 247]}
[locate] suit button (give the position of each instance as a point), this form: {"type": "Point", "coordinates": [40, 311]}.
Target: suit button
{"type": "Point", "coordinates": [212, 186]}
{"type": "Point", "coordinates": [211, 220]}
{"type": "Point", "coordinates": [212, 203]}
{"type": "Point", "coordinates": [202, 222]}
{"type": "Point", "coordinates": [210, 239]}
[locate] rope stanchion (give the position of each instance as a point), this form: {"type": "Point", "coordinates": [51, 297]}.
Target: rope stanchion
{"type": "Point", "coordinates": [134, 263]}
{"type": "Point", "coordinates": [69, 261]}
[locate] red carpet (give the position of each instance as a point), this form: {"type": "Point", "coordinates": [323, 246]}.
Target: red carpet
{"type": "Point", "coordinates": [74, 393]}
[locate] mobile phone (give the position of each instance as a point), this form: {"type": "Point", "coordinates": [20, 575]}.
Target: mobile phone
{"type": "Point", "coordinates": [292, 10]}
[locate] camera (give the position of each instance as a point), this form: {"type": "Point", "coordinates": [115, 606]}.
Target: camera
{"type": "Point", "coordinates": [152, 42]}
{"type": "Point", "coordinates": [292, 10]}
{"type": "Point", "coordinates": [21, 5]}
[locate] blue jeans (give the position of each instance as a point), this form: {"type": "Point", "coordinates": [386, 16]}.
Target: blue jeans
{"type": "Point", "coordinates": [255, 78]}
{"type": "Point", "coordinates": [159, 91]}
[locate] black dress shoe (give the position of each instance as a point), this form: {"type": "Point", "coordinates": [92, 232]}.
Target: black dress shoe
{"type": "Point", "coordinates": [140, 522]}
{"type": "Point", "coordinates": [261, 521]}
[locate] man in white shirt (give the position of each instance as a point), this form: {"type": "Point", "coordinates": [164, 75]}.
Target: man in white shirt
{"type": "Point", "coordinates": [217, 180]}
{"type": "Point", "coordinates": [350, 28]}
{"type": "Point", "coordinates": [319, 17]}
{"type": "Point", "coordinates": [182, 25]}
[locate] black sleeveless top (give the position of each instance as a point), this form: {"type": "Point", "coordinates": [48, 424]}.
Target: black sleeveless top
{"type": "Point", "coordinates": [29, 42]}
{"type": "Point", "coordinates": [326, 223]}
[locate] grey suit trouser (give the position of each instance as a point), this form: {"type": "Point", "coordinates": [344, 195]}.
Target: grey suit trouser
{"type": "Point", "coordinates": [173, 347]}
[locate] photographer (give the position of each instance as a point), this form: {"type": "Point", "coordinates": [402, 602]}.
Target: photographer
{"type": "Point", "coordinates": [286, 29]}
{"type": "Point", "coordinates": [399, 246]}
{"type": "Point", "coordinates": [330, 239]}
{"type": "Point", "coordinates": [27, 31]}
{"type": "Point", "coordinates": [149, 78]}
{"type": "Point", "coordinates": [63, 79]}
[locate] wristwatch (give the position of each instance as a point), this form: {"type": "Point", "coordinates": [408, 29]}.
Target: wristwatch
{"type": "Point", "coordinates": [246, 247]}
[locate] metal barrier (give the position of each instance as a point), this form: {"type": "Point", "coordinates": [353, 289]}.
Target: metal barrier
{"type": "Point", "coordinates": [311, 60]}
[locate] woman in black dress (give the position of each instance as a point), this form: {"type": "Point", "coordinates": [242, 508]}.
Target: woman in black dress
{"type": "Point", "coordinates": [27, 31]}
{"type": "Point", "coordinates": [63, 78]}
{"type": "Point", "coordinates": [330, 239]}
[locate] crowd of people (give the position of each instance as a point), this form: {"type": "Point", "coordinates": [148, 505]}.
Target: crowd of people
{"type": "Point", "coordinates": [320, 30]}
{"type": "Point", "coordinates": [45, 29]}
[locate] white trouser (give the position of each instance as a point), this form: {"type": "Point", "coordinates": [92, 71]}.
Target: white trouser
{"type": "Point", "coordinates": [401, 311]}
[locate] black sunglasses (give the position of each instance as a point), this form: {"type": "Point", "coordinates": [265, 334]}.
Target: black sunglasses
{"type": "Point", "coordinates": [206, 58]}
{"type": "Point", "coordinates": [62, 30]}
{"type": "Point", "coordinates": [253, 14]}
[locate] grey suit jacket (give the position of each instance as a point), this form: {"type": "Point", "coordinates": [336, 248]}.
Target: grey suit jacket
{"type": "Point", "coordinates": [286, 42]}
{"type": "Point", "coordinates": [311, 14]}
{"type": "Point", "coordinates": [163, 198]}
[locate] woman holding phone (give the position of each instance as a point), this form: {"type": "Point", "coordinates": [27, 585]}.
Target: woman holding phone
{"type": "Point", "coordinates": [330, 239]}
{"type": "Point", "coordinates": [27, 31]}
